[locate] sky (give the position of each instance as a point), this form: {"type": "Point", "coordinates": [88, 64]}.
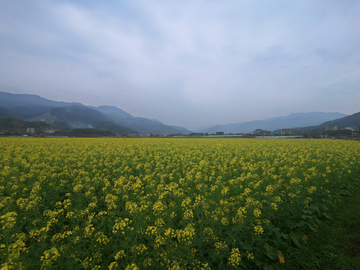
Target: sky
{"type": "Point", "coordinates": [187, 63]}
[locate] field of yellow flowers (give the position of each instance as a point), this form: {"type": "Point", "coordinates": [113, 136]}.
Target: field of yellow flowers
{"type": "Point", "coordinates": [165, 203]}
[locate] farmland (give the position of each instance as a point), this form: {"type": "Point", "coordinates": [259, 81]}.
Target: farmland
{"type": "Point", "coordinates": [165, 203]}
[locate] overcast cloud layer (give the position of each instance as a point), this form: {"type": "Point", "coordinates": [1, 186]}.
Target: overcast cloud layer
{"type": "Point", "coordinates": [188, 63]}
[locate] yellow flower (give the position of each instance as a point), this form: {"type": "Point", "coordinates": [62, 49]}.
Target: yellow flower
{"type": "Point", "coordinates": [225, 221]}
{"type": "Point", "coordinates": [311, 189]}
{"type": "Point", "coordinates": [188, 214]}
{"type": "Point", "coordinates": [257, 212]}
{"type": "Point", "coordinates": [132, 267]}
{"type": "Point", "coordinates": [50, 256]}
{"type": "Point", "coordinates": [8, 220]}
{"type": "Point", "coordinates": [258, 229]}
{"type": "Point", "coordinates": [120, 254]}
{"type": "Point", "coordinates": [235, 257]}
{"type": "Point", "coordinates": [250, 256]}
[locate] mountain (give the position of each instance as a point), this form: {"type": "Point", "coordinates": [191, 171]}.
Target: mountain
{"type": "Point", "coordinates": [75, 115]}
{"type": "Point", "coordinates": [15, 126]}
{"type": "Point", "coordinates": [142, 125]}
{"type": "Point", "coordinates": [290, 121]}
{"type": "Point", "coordinates": [113, 112]}
{"type": "Point", "coordinates": [8, 100]}
{"type": "Point", "coordinates": [347, 121]}
{"type": "Point", "coordinates": [24, 106]}
{"type": "Point", "coordinates": [182, 129]}
{"type": "Point", "coordinates": [64, 115]}
{"type": "Point", "coordinates": [24, 112]}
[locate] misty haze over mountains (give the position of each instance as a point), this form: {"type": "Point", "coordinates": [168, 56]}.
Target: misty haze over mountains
{"type": "Point", "coordinates": [291, 121]}
{"type": "Point", "coordinates": [76, 115]}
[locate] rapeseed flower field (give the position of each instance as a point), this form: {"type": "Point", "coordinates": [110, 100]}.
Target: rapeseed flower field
{"type": "Point", "coordinates": [165, 203]}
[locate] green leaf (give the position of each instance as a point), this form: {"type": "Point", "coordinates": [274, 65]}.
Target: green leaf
{"type": "Point", "coordinates": [317, 221]}
{"type": "Point", "coordinates": [268, 267]}
{"type": "Point", "coordinates": [296, 239]}
{"type": "Point", "coordinates": [284, 235]}
{"type": "Point", "coordinates": [271, 252]}
{"type": "Point", "coordinates": [304, 217]}
{"type": "Point", "coordinates": [312, 228]}
{"type": "Point", "coordinates": [300, 224]}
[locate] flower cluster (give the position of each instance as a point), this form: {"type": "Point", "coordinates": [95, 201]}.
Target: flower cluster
{"type": "Point", "coordinates": [162, 203]}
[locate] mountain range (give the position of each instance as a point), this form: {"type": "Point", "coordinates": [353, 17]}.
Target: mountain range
{"type": "Point", "coordinates": [68, 116]}
{"type": "Point", "coordinates": [291, 121]}
{"type": "Point", "coordinates": [348, 121]}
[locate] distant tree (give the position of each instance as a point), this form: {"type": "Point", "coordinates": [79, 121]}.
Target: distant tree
{"type": "Point", "coordinates": [220, 133]}
{"type": "Point", "coordinates": [315, 133]}
{"type": "Point", "coordinates": [90, 131]}
{"type": "Point", "coordinates": [196, 134]}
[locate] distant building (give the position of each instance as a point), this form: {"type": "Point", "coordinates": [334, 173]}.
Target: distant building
{"type": "Point", "coordinates": [331, 128]}
{"type": "Point", "coordinates": [262, 132]}
{"type": "Point", "coordinates": [286, 131]}
{"type": "Point", "coordinates": [352, 128]}
{"type": "Point", "coordinates": [30, 130]}
{"type": "Point", "coordinates": [141, 135]}
{"type": "Point", "coordinates": [49, 130]}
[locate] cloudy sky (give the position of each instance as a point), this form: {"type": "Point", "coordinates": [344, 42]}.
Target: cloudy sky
{"type": "Point", "coordinates": [188, 63]}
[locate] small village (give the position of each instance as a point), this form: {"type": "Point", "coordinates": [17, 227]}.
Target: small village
{"type": "Point", "coordinates": [329, 132]}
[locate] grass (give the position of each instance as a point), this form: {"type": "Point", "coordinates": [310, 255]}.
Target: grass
{"type": "Point", "coordinates": [335, 245]}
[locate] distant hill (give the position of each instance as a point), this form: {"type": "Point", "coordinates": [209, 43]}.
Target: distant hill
{"type": "Point", "coordinates": [115, 128]}
{"type": "Point", "coordinates": [24, 112]}
{"type": "Point", "coordinates": [182, 129]}
{"type": "Point", "coordinates": [290, 121]}
{"type": "Point", "coordinates": [14, 126]}
{"type": "Point", "coordinates": [347, 121]}
{"type": "Point", "coordinates": [8, 100]}
{"type": "Point", "coordinates": [113, 112]}
{"type": "Point", "coordinates": [142, 125]}
{"type": "Point", "coordinates": [75, 115]}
